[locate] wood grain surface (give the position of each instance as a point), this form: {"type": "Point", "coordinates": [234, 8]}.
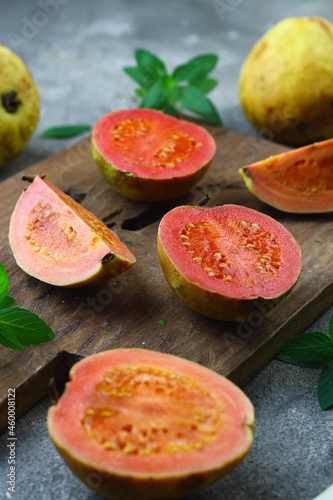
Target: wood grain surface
{"type": "Point", "coordinates": [125, 312]}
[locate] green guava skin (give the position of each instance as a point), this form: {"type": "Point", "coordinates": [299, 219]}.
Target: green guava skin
{"type": "Point", "coordinates": [145, 188]}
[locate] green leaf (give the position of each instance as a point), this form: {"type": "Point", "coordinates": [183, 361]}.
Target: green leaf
{"type": "Point", "coordinates": [4, 283]}
{"type": "Point", "coordinates": [311, 346]}
{"type": "Point", "coordinates": [64, 132]}
{"type": "Point", "coordinates": [150, 65]}
{"type": "Point", "coordinates": [195, 69]}
{"type": "Point", "coordinates": [156, 98]}
{"type": "Point", "coordinates": [195, 100]}
{"type": "Point", "coordinates": [205, 85]}
{"type": "Point", "coordinates": [161, 322]}
{"type": "Point", "coordinates": [330, 327]}
{"type": "Point", "coordinates": [170, 110]}
{"type": "Point", "coordinates": [325, 387]}
{"type": "Point", "coordinates": [146, 81]}
{"type": "Point", "coordinates": [141, 92]}
{"type": "Point", "coordinates": [10, 342]}
{"type": "Point", "coordinates": [20, 326]}
{"type": "Point", "coordinates": [306, 364]}
{"type": "Point", "coordinates": [160, 91]}
{"type": "Point", "coordinates": [7, 302]}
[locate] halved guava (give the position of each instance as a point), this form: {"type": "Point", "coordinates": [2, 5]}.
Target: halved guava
{"type": "Point", "coordinates": [149, 156]}
{"type": "Point", "coordinates": [299, 181]}
{"type": "Point", "coordinates": [56, 240]}
{"type": "Point", "coordinates": [139, 424]}
{"type": "Point", "coordinates": [219, 260]}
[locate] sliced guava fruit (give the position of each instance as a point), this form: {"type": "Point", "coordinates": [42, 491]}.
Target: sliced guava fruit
{"type": "Point", "coordinates": [57, 241]}
{"type": "Point", "coordinates": [299, 181]}
{"type": "Point", "coordinates": [149, 156]}
{"type": "Point", "coordinates": [219, 260]}
{"type": "Point", "coordinates": [134, 423]}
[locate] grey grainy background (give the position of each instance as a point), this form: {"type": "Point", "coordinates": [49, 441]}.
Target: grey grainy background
{"type": "Point", "coordinates": [76, 51]}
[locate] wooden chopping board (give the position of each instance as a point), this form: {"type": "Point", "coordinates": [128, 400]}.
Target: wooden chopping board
{"type": "Point", "coordinates": [125, 312]}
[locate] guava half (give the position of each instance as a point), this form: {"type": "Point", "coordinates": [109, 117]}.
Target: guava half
{"type": "Point", "coordinates": [138, 424]}
{"type": "Point", "coordinates": [149, 156]}
{"type": "Point", "coordinates": [299, 181]}
{"type": "Point", "coordinates": [56, 240]}
{"type": "Point", "coordinates": [219, 260]}
{"type": "Point", "coordinates": [19, 105]}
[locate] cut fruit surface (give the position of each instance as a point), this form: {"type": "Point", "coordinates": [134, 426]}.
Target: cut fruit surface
{"type": "Point", "coordinates": [150, 156]}
{"type": "Point", "coordinates": [154, 426]}
{"type": "Point", "coordinates": [299, 181]}
{"type": "Point", "coordinates": [218, 260]}
{"type": "Point", "coordinates": [56, 240]}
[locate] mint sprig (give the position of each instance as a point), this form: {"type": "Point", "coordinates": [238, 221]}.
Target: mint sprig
{"type": "Point", "coordinates": [313, 350]}
{"type": "Point", "coordinates": [184, 89]}
{"type": "Point", "coordinates": [19, 327]}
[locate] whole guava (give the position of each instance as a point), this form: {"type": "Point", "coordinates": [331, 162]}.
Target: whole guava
{"type": "Point", "coordinates": [19, 105]}
{"type": "Point", "coordinates": [286, 82]}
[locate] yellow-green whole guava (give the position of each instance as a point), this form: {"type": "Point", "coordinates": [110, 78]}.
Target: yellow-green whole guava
{"type": "Point", "coordinates": [19, 105]}
{"type": "Point", "coordinates": [286, 82]}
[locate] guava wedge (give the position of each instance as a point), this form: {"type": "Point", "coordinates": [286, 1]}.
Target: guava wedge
{"type": "Point", "coordinates": [149, 156]}
{"type": "Point", "coordinates": [219, 260]}
{"type": "Point", "coordinates": [57, 241]}
{"type": "Point", "coordinates": [139, 424]}
{"type": "Point", "coordinates": [299, 181]}
{"type": "Point", "coordinates": [19, 105]}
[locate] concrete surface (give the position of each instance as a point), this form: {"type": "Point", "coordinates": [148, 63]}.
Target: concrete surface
{"type": "Point", "coordinates": [76, 51]}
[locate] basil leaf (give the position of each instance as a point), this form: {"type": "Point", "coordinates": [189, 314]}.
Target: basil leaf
{"type": "Point", "coordinates": [325, 387]}
{"type": "Point", "coordinates": [4, 283]}
{"type": "Point", "coordinates": [161, 322]}
{"type": "Point", "coordinates": [156, 98]}
{"type": "Point", "coordinates": [330, 327]}
{"type": "Point", "coordinates": [146, 81]}
{"type": "Point", "coordinates": [64, 132]}
{"type": "Point", "coordinates": [308, 347]}
{"type": "Point", "coordinates": [195, 100]}
{"type": "Point", "coordinates": [150, 64]}
{"type": "Point", "coordinates": [22, 326]}
{"type": "Point", "coordinates": [196, 69]}
{"type": "Point", "coordinates": [322, 361]}
{"type": "Point", "coordinates": [7, 302]}
{"type": "Point", "coordinates": [205, 85]}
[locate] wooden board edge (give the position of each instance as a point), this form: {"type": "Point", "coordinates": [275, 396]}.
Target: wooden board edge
{"type": "Point", "coordinates": [36, 387]}
{"type": "Point", "coordinates": [294, 326]}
